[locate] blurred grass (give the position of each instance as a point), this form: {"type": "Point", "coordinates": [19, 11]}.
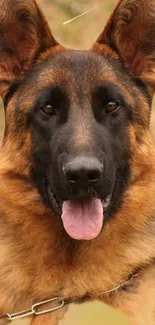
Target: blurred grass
{"type": "Point", "coordinates": [94, 314]}
{"type": "Point", "coordinates": [81, 34]}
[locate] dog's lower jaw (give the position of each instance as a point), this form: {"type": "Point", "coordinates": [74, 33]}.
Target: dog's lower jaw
{"type": "Point", "coordinates": [57, 205]}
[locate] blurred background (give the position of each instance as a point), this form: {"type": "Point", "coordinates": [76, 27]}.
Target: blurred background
{"type": "Point", "coordinates": [81, 34]}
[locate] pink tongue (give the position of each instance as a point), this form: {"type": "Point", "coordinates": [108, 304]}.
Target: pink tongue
{"type": "Point", "coordinates": [83, 220]}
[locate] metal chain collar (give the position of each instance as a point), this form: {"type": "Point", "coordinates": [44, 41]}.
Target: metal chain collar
{"type": "Point", "coordinates": [35, 309]}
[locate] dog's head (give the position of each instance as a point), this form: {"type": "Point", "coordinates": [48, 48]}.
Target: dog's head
{"type": "Point", "coordinates": [75, 119]}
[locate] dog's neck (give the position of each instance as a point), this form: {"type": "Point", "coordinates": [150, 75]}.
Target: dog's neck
{"type": "Point", "coordinates": [125, 241]}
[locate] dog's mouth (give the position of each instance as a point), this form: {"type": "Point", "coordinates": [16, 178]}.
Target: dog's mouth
{"type": "Point", "coordinates": [82, 218]}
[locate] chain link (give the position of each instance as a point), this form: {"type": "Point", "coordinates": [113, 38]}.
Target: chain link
{"type": "Point", "coordinates": [34, 310]}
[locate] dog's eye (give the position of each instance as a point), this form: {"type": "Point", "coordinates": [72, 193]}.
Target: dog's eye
{"type": "Point", "coordinates": [48, 109]}
{"type": "Point", "coordinates": [112, 107]}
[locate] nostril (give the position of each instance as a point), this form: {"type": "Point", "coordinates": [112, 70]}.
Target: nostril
{"type": "Point", "coordinates": [94, 176]}
{"type": "Point", "coordinates": [72, 176]}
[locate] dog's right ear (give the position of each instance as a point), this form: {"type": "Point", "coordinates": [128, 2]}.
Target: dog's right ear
{"type": "Point", "coordinates": [24, 34]}
{"type": "Point", "coordinates": [130, 32]}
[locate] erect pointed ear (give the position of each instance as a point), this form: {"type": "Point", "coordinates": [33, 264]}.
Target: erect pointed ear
{"type": "Point", "coordinates": [24, 34]}
{"type": "Point", "coordinates": [131, 33]}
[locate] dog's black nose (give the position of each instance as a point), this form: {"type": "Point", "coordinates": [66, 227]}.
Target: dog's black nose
{"type": "Point", "coordinates": [83, 171]}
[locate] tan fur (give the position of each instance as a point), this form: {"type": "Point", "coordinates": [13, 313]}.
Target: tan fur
{"type": "Point", "coordinates": [39, 261]}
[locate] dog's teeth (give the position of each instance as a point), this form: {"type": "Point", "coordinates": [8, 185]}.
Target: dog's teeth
{"type": "Point", "coordinates": [106, 202]}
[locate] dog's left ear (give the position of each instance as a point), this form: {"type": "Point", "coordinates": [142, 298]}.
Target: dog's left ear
{"type": "Point", "coordinates": [131, 33]}
{"type": "Point", "coordinates": [24, 34]}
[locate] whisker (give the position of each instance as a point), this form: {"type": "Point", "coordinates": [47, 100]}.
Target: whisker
{"type": "Point", "coordinates": [44, 179]}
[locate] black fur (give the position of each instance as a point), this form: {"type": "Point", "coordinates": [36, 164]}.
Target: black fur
{"type": "Point", "coordinates": [79, 92]}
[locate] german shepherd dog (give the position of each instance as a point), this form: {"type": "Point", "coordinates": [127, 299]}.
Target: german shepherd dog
{"type": "Point", "coordinates": [77, 166]}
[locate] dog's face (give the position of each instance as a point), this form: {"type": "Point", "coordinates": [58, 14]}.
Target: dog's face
{"type": "Point", "coordinates": [71, 116]}
{"type": "Point", "coordinates": [79, 124]}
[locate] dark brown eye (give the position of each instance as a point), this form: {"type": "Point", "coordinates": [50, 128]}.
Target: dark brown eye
{"type": "Point", "coordinates": [112, 107]}
{"type": "Point", "coordinates": [48, 109]}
